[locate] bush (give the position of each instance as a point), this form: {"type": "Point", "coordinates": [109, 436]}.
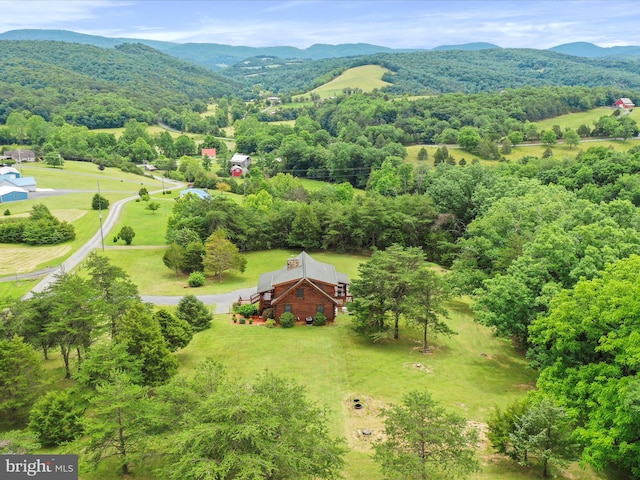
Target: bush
{"type": "Point", "coordinates": [56, 418]}
{"type": "Point", "coordinates": [319, 319]}
{"type": "Point", "coordinates": [7, 212]}
{"type": "Point", "coordinates": [287, 320]}
{"type": "Point", "coordinates": [196, 279]}
{"type": "Point", "coordinates": [270, 323]}
{"type": "Point", "coordinates": [247, 310]}
{"type": "Point", "coordinates": [268, 313]}
{"type": "Point", "coordinates": [243, 320]}
{"type": "Point", "coordinates": [99, 202]}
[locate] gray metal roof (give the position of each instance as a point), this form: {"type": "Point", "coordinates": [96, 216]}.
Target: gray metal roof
{"type": "Point", "coordinates": [307, 268]}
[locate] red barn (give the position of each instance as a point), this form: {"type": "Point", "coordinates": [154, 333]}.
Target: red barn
{"type": "Point", "coordinates": [303, 287]}
{"type": "Point", "coordinates": [236, 171]}
{"type": "Point", "coordinates": [625, 103]}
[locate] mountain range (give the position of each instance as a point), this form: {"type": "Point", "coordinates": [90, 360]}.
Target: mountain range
{"type": "Point", "coordinates": [218, 56]}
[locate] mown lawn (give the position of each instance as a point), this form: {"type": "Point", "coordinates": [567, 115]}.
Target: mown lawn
{"type": "Point", "coordinates": [146, 269]}
{"type": "Point", "coordinates": [468, 373]}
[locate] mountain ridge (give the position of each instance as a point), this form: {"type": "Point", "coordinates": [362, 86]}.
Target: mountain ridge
{"type": "Point", "coordinates": [217, 56]}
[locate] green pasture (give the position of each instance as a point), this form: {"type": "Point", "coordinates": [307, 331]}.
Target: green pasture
{"type": "Point", "coordinates": [574, 120]}
{"type": "Point", "coordinates": [367, 78]}
{"type": "Point", "coordinates": [468, 373]}
{"type": "Point", "coordinates": [85, 176]}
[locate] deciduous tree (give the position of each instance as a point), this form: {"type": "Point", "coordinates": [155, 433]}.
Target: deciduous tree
{"type": "Point", "coordinates": [222, 255]}
{"type": "Point", "coordinates": [424, 441]}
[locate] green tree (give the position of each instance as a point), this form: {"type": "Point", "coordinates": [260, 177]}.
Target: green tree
{"type": "Point", "coordinates": [116, 292]}
{"type": "Point", "coordinates": [571, 138]}
{"type": "Point", "coordinates": [469, 138]}
{"type": "Point", "coordinates": [305, 229]}
{"type": "Point", "coordinates": [21, 377]}
{"type": "Point", "coordinates": [99, 202]}
{"type": "Point", "coordinates": [56, 418]}
{"type": "Point", "coordinates": [115, 427]}
{"type": "Point", "coordinates": [423, 155]}
{"type": "Point", "coordinates": [173, 257]}
{"type": "Point", "coordinates": [54, 159]}
{"type": "Point", "coordinates": [176, 331]}
{"type": "Point", "coordinates": [16, 124]}
{"type": "Point", "coordinates": [502, 424]}
{"type": "Point", "coordinates": [429, 292]}
{"type": "Point", "coordinates": [424, 441]}
{"type": "Point", "coordinates": [141, 151]}
{"type": "Point", "coordinates": [74, 316]}
{"type": "Point", "coordinates": [142, 335]}
{"type": "Point", "coordinates": [126, 233]}
{"type": "Point", "coordinates": [152, 206]}
{"type": "Point", "coordinates": [222, 255]}
{"type": "Point", "coordinates": [104, 361]}
{"type": "Point", "coordinates": [194, 312]}
{"type": "Point", "coordinates": [549, 137]}
{"type": "Point", "coordinates": [586, 348]}
{"type": "Point", "coordinates": [265, 429]}
{"type": "Point", "coordinates": [184, 145]}
{"type": "Point", "coordinates": [383, 288]}
{"type": "Point", "coordinates": [544, 431]}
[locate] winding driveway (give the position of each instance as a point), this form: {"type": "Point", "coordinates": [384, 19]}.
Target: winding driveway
{"type": "Point", "coordinates": [221, 301]}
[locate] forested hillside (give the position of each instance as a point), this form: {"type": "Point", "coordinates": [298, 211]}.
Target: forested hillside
{"type": "Point", "coordinates": [429, 72]}
{"type": "Point", "coordinates": [100, 87]}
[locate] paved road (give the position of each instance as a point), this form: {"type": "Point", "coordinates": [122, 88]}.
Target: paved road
{"type": "Point", "coordinates": [222, 301]}
{"type": "Point", "coordinates": [94, 242]}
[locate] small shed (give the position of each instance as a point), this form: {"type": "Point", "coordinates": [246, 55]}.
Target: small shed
{"type": "Point", "coordinates": [237, 171]}
{"type": "Point", "coordinates": [12, 194]}
{"type": "Point", "coordinates": [625, 103]}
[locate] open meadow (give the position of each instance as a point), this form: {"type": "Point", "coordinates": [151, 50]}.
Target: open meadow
{"type": "Point", "coordinates": [366, 78]}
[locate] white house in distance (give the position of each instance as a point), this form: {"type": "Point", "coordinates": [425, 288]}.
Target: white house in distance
{"type": "Point", "coordinates": [240, 164]}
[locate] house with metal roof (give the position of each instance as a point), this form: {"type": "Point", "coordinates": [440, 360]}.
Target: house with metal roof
{"type": "Point", "coordinates": [195, 191]}
{"type": "Point", "coordinates": [303, 287]}
{"type": "Point", "coordinates": [27, 183]}
{"type": "Point", "coordinates": [12, 194]}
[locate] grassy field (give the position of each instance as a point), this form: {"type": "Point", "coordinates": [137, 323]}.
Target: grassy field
{"type": "Point", "coordinates": [468, 373]}
{"type": "Point", "coordinates": [146, 269]}
{"type": "Point", "coordinates": [367, 78]}
{"type": "Point", "coordinates": [574, 120]}
{"type": "Point", "coordinates": [74, 207]}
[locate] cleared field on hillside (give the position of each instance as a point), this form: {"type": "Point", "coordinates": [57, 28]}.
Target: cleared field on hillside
{"type": "Point", "coordinates": [367, 78]}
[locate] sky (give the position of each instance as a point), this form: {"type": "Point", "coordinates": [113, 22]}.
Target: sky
{"type": "Point", "coordinates": [421, 24]}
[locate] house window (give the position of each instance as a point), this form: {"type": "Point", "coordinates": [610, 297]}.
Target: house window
{"type": "Point", "coordinates": [300, 293]}
{"type": "Point", "coordinates": [288, 308]}
{"type": "Point", "coordinates": [320, 309]}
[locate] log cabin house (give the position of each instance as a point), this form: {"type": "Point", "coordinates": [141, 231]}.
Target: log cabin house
{"type": "Point", "coordinates": [303, 287]}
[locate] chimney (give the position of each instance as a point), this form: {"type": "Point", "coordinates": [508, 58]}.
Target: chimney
{"type": "Point", "coordinates": [293, 263]}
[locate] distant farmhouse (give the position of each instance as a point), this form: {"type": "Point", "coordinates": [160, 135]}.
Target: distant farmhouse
{"type": "Point", "coordinates": [624, 103]}
{"type": "Point", "coordinates": [303, 287]}
{"type": "Point", "coordinates": [240, 164]}
{"type": "Point", "coordinates": [20, 155]}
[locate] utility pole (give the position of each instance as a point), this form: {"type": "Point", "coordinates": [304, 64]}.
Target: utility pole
{"type": "Point", "coordinates": [100, 214]}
